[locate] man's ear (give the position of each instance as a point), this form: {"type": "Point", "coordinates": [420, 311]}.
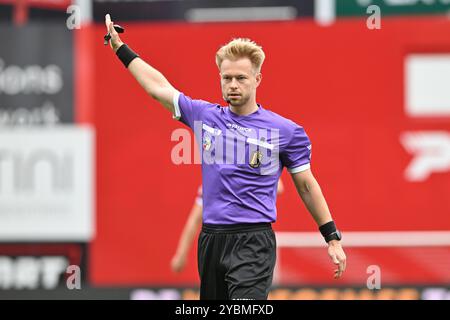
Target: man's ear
{"type": "Point", "coordinates": [258, 79]}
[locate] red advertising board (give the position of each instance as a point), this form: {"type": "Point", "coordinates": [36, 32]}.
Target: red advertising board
{"type": "Point", "coordinates": [345, 84]}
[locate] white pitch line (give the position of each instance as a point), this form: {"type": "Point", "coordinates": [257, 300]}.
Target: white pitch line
{"type": "Point", "coordinates": [367, 239]}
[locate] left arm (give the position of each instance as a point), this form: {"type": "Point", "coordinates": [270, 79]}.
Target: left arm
{"type": "Point", "coordinates": [309, 190]}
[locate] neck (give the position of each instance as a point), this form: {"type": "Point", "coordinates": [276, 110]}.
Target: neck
{"type": "Point", "coordinates": [246, 109]}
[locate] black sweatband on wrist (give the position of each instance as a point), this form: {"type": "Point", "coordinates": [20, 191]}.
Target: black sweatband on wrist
{"type": "Point", "coordinates": [126, 55]}
{"type": "Point", "coordinates": [327, 228]}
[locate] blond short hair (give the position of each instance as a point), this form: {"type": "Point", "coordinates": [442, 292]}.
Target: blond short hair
{"type": "Point", "coordinates": [241, 48]}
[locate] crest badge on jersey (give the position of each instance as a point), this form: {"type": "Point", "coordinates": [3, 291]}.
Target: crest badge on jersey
{"type": "Point", "coordinates": [255, 159]}
{"type": "Point", "coordinates": [207, 142]}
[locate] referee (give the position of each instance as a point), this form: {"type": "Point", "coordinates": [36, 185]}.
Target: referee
{"type": "Point", "coordinates": [237, 247]}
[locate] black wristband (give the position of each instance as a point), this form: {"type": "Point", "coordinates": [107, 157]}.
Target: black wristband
{"type": "Point", "coordinates": [126, 55]}
{"type": "Point", "coordinates": [327, 228]}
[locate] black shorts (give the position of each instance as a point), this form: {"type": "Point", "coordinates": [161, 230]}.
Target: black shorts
{"type": "Point", "coordinates": [236, 261]}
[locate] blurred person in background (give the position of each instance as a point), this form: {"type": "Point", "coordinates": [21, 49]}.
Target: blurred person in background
{"type": "Point", "coordinates": [191, 227]}
{"type": "Point", "coordinates": [237, 245]}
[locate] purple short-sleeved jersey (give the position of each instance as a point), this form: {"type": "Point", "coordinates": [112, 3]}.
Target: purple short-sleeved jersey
{"type": "Point", "coordinates": [242, 158]}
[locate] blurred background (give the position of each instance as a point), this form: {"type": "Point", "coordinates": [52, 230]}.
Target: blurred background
{"type": "Point", "coordinates": [92, 206]}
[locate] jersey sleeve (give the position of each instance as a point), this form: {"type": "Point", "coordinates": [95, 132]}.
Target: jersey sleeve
{"type": "Point", "coordinates": [296, 156]}
{"type": "Point", "coordinates": [188, 110]}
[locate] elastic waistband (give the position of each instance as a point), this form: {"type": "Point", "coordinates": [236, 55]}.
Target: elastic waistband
{"type": "Point", "coordinates": [235, 228]}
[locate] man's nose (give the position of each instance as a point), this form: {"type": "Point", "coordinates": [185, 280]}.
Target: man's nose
{"type": "Point", "coordinates": [234, 83]}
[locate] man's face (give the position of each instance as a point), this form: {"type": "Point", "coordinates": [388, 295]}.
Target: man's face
{"type": "Point", "coordinates": [239, 81]}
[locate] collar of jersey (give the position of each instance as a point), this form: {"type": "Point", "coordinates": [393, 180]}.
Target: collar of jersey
{"type": "Point", "coordinates": [234, 115]}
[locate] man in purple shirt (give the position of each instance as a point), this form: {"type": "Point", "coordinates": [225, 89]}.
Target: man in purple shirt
{"type": "Point", "coordinates": [244, 149]}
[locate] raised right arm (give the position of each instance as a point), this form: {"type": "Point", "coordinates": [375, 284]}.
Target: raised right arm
{"type": "Point", "coordinates": [150, 79]}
